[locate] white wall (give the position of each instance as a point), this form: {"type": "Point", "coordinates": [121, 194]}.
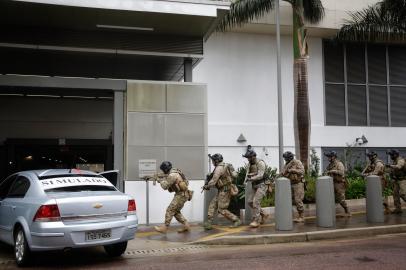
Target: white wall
{"type": "Point", "coordinates": [240, 71]}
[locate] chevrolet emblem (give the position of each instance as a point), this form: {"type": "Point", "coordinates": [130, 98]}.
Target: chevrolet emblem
{"type": "Point", "coordinates": [97, 205]}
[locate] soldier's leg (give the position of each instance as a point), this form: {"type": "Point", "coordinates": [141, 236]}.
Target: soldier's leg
{"type": "Point", "coordinates": [174, 208]}
{"type": "Point", "coordinates": [385, 201]}
{"type": "Point", "coordinates": [223, 203]}
{"type": "Point", "coordinates": [396, 196]}
{"type": "Point", "coordinates": [298, 191]}
{"type": "Point", "coordinates": [211, 212]}
{"type": "Point", "coordinates": [259, 194]}
{"type": "Point", "coordinates": [179, 205]}
{"type": "Point", "coordinates": [340, 196]}
{"type": "Point", "coordinates": [402, 190]}
{"type": "Point", "coordinates": [251, 198]}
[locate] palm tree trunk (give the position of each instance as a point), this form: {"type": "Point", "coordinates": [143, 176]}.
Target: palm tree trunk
{"type": "Point", "coordinates": [302, 126]}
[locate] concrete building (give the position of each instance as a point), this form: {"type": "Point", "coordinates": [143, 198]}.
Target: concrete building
{"type": "Point", "coordinates": [101, 85]}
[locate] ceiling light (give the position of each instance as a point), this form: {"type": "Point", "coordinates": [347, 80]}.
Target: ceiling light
{"type": "Point", "coordinates": [120, 27]}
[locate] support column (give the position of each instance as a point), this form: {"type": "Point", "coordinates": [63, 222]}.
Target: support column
{"type": "Point", "coordinates": [325, 202]}
{"type": "Point", "coordinates": [118, 137]}
{"type": "Point", "coordinates": [188, 69]}
{"type": "Point", "coordinates": [374, 199]}
{"type": "Point", "coordinates": [283, 205]}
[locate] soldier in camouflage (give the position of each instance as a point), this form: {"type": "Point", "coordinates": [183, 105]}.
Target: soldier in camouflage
{"type": "Point", "coordinates": [294, 171]}
{"type": "Point", "coordinates": [255, 175]}
{"type": "Point", "coordinates": [336, 170]}
{"type": "Point", "coordinates": [173, 180]}
{"type": "Point", "coordinates": [377, 167]}
{"type": "Point", "coordinates": [221, 178]}
{"type": "Point", "coordinates": [398, 175]}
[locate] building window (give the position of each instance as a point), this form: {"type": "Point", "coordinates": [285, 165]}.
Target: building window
{"type": "Point", "coordinates": [365, 85]}
{"type": "Point", "coordinates": [356, 157]}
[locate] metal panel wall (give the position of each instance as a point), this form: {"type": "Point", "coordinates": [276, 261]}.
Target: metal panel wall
{"type": "Point", "coordinates": [167, 121]}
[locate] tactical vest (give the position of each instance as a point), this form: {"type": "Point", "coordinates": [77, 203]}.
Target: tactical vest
{"type": "Point", "coordinates": [181, 185]}
{"type": "Point", "coordinates": [336, 178]}
{"type": "Point", "coordinates": [399, 174]}
{"type": "Point", "coordinates": [225, 179]}
{"type": "Point", "coordinates": [294, 178]}
{"type": "Point", "coordinates": [253, 169]}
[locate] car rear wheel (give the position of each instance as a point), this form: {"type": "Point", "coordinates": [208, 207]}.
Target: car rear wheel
{"type": "Point", "coordinates": [115, 250]}
{"type": "Point", "coordinates": [21, 250]}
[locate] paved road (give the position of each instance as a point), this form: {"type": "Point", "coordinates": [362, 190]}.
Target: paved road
{"type": "Point", "coordinates": [384, 252]}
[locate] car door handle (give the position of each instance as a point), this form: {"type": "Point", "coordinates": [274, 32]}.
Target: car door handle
{"type": "Point", "coordinates": [13, 207]}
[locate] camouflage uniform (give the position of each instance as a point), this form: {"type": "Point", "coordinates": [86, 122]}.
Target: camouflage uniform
{"type": "Point", "coordinates": [398, 174]}
{"type": "Point", "coordinates": [170, 182]}
{"type": "Point", "coordinates": [256, 176]}
{"type": "Point", "coordinates": [336, 170]}
{"type": "Point", "coordinates": [222, 181]}
{"type": "Point", "coordinates": [377, 167]}
{"type": "Point", "coordinates": [294, 171]}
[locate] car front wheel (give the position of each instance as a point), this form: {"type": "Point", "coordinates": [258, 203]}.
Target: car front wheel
{"type": "Point", "coordinates": [115, 250]}
{"type": "Point", "coordinates": [21, 249]}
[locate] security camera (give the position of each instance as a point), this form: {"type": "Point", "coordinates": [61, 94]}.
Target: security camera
{"type": "Point", "coordinates": [359, 141]}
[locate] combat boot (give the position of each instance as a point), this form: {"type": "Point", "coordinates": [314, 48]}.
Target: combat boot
{"type": "Point", "coordinates": [236, 223]}
{"type": "Point", "coordinates": [397, 211]}
{"type": "Point", "coordinates": [387, 210]}
{"type": "Point", "coordinates": [254, 224]}
{"type": "Point", "coordinates": [347, 212]}
{"type": "Point", "coordinates": [208, 226]}
{"type": "Point", "coordinates": [185, 228]}
{"type": "Point", "coordinates": [300, 218]}
{"type": "Point", "coordinates": [264, 217]}
{"type": "Point", "coordinates": [161, 229]}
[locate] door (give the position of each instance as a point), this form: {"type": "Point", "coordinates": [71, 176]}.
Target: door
{"type": "Point", "coordinates": [5, 221]}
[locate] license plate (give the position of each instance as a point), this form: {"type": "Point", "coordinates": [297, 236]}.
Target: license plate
{"type": "Point", "coordinates": [98, 235]}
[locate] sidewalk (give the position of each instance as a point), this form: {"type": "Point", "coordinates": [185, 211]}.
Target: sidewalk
{"type": "Point", "coordinates": [355, 226]}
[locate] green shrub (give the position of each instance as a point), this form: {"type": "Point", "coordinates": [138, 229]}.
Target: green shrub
{"type": "Point", "coordinates": [310, 191]}
{"type": "Point", "coordinates": [356, 188]}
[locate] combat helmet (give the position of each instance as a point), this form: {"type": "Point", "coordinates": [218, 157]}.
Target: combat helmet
{"type": "Point", "coordinates": [288, 156]}
{"type": "Point", "coordinates": [216, 157]}
{"type": "Point", "coordinates": [166, 166]}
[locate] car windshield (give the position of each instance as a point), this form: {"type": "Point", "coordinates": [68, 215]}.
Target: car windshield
{"type": "Point", "coordinates": [83, 188]}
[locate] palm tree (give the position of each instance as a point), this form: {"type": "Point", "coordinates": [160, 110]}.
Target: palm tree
{"type": "Point", "coordinates": [312, 11]}
{"type": "Point", "coordinates": [383, 22]}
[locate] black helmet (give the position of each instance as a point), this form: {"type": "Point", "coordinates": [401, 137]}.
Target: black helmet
{"type": "Point", "coordinates": [166, 166]}
{"type": "Point", "coordinates": [393, 152]}
{"type": "Point", "coordinates": [288, 155]}
{"type": "Point", "coordinates": [216, 157]}
{"type": "Point", "coordinates": [372, 154]}
{"type": "Point", "coordinates": [250, 153]}
{"type": "Point", "coordinates": [330, 154]}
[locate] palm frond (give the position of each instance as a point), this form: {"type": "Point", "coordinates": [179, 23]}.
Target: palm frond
{"type": "Point", "coordinates": [382, 22]}
{"type": "Point", "coordinates": [243, 11]}
{"type": "Point", "coordinates": [313, 10]}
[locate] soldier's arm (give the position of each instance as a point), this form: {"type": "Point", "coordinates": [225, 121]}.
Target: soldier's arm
{"type": "Point", "coordinates": [168, 181]}
{"type": "Point", "coordinates": [379, 169]}
{"type": "Point", "coordinates": [261, 172]}
{"type": "Point", "coordinates": [218, 171]}
{"type": "Point", "coordinates": [399, 165]}
{"type": "Point", "coordinates": [340, 169]}
{"type": "Point", "coordinates": [297, 168]}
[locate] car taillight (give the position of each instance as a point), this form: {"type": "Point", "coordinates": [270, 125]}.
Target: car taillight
{"type": "Point", "coordinates": [47, 213]}
{"type": "Point", "coordinates": [131, 207]}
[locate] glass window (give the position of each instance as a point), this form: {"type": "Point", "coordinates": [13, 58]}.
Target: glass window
{"type": "Point", "coordinates": [398, 106]}
{"type": "Point", "coordinates": [19, 188]}
{"type": "Point", "coordinates": [397, 64]}
{"type": "Point", "coordinates": [357, 105]}
{"type": "Point", "coordinates": [378, 105]}
{"type": "Point", "coordinates": [334, 62]}
{"type": "Point", "coordinates": [355, 63]}
{"type": "Point", "coordinates": [376, 64]}
{"type": "Point", "coordinates": [5, 186]}
{"type": "Point", "coordinates": [335, 104]}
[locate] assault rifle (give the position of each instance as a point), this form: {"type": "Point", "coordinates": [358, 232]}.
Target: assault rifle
{"type": "Point", "coordinates": [208, 178]}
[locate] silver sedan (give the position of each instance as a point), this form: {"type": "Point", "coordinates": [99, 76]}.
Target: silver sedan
{"type": "Point", "coordinates": [63, 209]}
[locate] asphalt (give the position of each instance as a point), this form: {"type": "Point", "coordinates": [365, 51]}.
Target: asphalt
{"type": "Point", "coordinates": [346, 227]}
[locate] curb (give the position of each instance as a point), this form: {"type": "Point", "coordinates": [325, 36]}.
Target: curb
{"type": "Point", "coordinates": [303, 237]}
